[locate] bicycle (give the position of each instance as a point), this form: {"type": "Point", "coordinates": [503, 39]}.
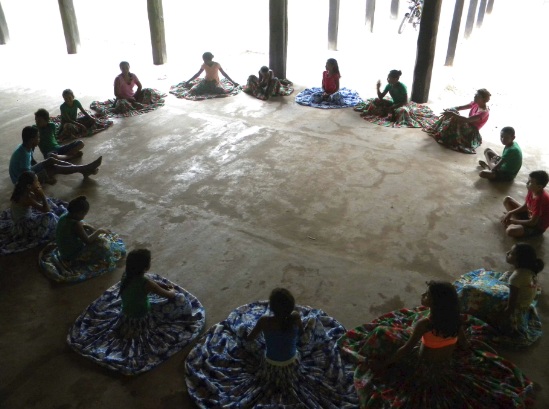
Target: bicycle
{"type": "Point", "coordinates": [413, 16]}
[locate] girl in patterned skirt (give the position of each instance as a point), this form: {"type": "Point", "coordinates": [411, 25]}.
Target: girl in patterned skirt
{"type": "Point", "coordinates": [139, 322]}
{"type": "Point", "coordinates": [267, 355]}
{"type": "Point", "coordinates": [32, 218]}
{"type": "Point", "coordinates": [506, 300]}
{"type": "Point", "coordinates": [421, 358]}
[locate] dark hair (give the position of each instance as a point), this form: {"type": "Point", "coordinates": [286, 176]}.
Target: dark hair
{"type": "Point", "coordinates": [282, 304]}
{"type": "Point", "coordinates": [26, 178]}
{"type": "Point", "coordinates": [333, 61]}
{"type": "Point", "coordinates": [525, 256]}
{"type": "Point", "coordinates": [67, 92]}
{"type": "Point", "coordinates": [42, 113]}
{"type": "Point", "coordinates": [395, 73]}
{"type": "Point", "coordinates": [540, 176]}
{"type": "Point", "coordinates": [80, 204]}
{"type": "Point", "coordinates": [28, 134]}
{"type": "Point", "coordinates": [208, 56]}
{"type": "Point", "coordinates": [483, 92]}
{"type": "Point", "coordinates": [137, 262]}
{"type": "Point", "coordinates": [445, 319]}
{"type": "Point", "coordinates": [122, 63]}
{"type": "Point", "coordinates": [264, 69]}
{"type": "Point", "coordinates": [508, 130]}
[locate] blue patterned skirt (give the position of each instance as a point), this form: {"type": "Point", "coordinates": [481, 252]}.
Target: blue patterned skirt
{"type": "Point", "coordinates": [132, 346]}
{"type": "Point", "coordinates": [94, 259]}
{"type": "Point", "coordinates": [225, 371]}
{"type": "Point", "coordinates": [485, 294]}
{"type": "Point", "coordinates": [36, 229]}
{"type": "Point", "coordinates": [312, 97]}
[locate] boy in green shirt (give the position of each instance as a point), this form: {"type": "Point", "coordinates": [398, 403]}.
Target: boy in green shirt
{"type": "Point", "coordinates": [48, 142]}
{"type": "Point", "coordinates": [504, 167]}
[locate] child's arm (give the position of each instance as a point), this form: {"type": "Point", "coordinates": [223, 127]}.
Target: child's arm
{"type": "Point", "coordinates": [159, 289]}
{"type": "Point", "coordinates": [227, 76]}
{"type": "Point", "coordinates": [512, 301]}
{"type": "Point", "coordinates": [380, 94]}
{"type": "Point", "coordinates": [139, 86]}
{"type": "Point", "coordinates": [506, 218]}
{"type": "Point", "coordinates": [84, 111]}
{"type": "Point", "coordinates": [421, 327]}
{"type": "Point", "coordinates": [297, 319]}
{"type": "Point", "coordinates": [88, 239]}
{"type": "Point", "coordinates": [257, 330]}
{"type": "Point", "coordinates": [37, 200]}
{"type": "Point", "coordinates": [195, 75]}
{"type": "Point", "coordinates": [336, 80]}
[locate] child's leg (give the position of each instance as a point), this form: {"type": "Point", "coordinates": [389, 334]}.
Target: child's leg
{"type": "Point", "coordinates": [510, 204]}
{"type": "Point", "coordinates": [487, 174]}
{"type": "Point", "coordinates": [64, 168]}
{"type": "Point", "coordinates": [69, 151]}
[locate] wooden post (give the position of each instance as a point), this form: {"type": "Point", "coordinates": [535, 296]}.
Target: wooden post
{"type": "Point", "coordinates": [454, 32]}
{"type": "Point", "coordinates": [470, 18]}
{"type": "Point", "coordinates": [158, 35]}
{"type": "Point", "coordinates": [278, 36]}
{"type": "Point", "coordinates": [394, 9]}
{"type": "Point", "coordinates": [490, 7]}
{"type": "Point", "coordinates": [333, 24]}
{"type": "Point", "coordinates": [481, 11]}
{"type": "Point", "coordinates": [4, 32]}
{"type": "Point", "coordinates": [370, 11]}
{"type": "Point", "coordinates": [426, 44]}
{"type": "Point", "coordinates": [70, 26]}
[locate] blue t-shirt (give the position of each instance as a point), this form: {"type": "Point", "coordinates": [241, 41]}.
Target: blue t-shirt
{"type": "Point", "coordinates": [20, 162]}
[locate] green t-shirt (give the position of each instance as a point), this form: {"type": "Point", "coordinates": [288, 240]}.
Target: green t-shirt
{"type": "Point", "coordinates": [70, 112]}
{"type": "Point", "coordinates": [512, 160]}
{"type": "Point", "coordinates": [48, 141]}
{"type": "Point", "coordinates": [135, 299]}
{"type": "Point", "coordinates": [68, 242]}
{"type": "Point", "coordinates": [398, 92]}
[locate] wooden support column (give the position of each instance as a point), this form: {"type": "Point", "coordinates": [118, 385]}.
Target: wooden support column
{"type": "Point", "coordinates": [158, 35]}
{"type": "Point", "coordinates": [333, 24]}
{"type": "Point", "coordinates": [454, 32]}
{"type": "Point", "coordinates": [426, 44]}
{"type": "Point", "coordinates": [70, 26]}
{"type": "Point", "coordinates": [470, 18]}
{"type": "Point", "coordinates": [481, 11]}
{"type": "Point", "coordinates": [490, 7]}
{"type": "Point", "coordinates": [394, 9]}
{"type": "Point", "coordinates": [370, 11]}
{"type": "Point", "coordinates": [278, 36]}
{"type": "Point", "coordinates": [4, 32]}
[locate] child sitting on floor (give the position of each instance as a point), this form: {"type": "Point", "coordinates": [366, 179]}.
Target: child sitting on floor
{"type": "Point", "coordinates": [48, 142]}
{"type": "Point", "coordinates": [532, 217]}
{"type": "Point", "coordinates": [210, 84]}
{"type": "Point", "coordinates": [71, 126]}
{"type": "Point", "coordinates": [504, 167]}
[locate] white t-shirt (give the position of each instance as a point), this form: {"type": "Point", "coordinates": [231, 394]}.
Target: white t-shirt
{"type": "Point", "coordinates": [526, 282]}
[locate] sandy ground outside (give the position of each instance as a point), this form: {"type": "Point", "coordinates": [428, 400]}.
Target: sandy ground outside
{"type": "Point", "coordinates": [236, 196]}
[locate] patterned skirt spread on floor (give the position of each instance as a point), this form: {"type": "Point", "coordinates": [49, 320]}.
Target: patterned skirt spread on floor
{"type": "Point", "coordinates": [474, 378]}
{"type": "Point", "coordinates": [485, 294]}
{"type": "Point", "coordinates": [103, 334]}
{"type": "Point", "coordinates": [36, 229]}
{"type": "Point", "coordinates": [344, 98]}
{"type": "Point", "coordinates": [224, 371]}
{"type": "Point", "coordinates": [276, 88]}
{"type": "Point", "coordinates": [95, 259]}
{"type": "Point", "coordinates": [411, 115]}
{"type": "Point", "coordinates": [71, 131]}
{"type": "Point", "coordinates": [149, 100]}
{"type": "Point", "coordinates": [200, 89]}
{"type": "Point", "coordinates": [459, 137]}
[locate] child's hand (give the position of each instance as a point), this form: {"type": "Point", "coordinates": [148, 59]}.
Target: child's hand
{"type": "Point", "coordinates": [505, 219]}
{"type": "Point", "coordinates": [103, 231]}
{"type": "Point", "coordinates": [378, 84]}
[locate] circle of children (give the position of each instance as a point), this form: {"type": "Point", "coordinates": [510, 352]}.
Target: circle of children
{"type": "Point", "coordinates": [277, 353]}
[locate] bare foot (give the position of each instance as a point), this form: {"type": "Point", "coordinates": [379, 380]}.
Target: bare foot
{"type": "Point", "coordinates": [483, 164]}
{"type": "Point", "coordinates": [92, 168]}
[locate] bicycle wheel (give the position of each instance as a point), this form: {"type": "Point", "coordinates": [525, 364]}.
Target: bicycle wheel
{"type": "Point", "coordinates": [403, 24]}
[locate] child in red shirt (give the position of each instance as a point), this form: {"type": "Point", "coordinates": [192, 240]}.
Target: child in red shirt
{"type": "Point", "coordinates": [532, 217]}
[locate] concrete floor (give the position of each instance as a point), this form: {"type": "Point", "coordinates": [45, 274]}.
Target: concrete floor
{"type": "Point", "coordinates": [236, 196]}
